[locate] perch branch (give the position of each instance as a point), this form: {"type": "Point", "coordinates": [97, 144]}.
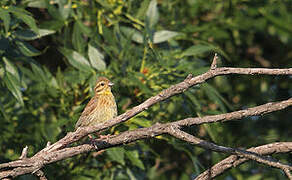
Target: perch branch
{"type": "Point", "coordinates": [171, 91]}
{"type": "Point", "coordinates": [59, 150]}
{"type": "Point", "coordinates": [40, 159]}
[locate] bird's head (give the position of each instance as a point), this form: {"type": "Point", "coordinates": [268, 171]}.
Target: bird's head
{"type": "Point", "coordinates": [103, 86]}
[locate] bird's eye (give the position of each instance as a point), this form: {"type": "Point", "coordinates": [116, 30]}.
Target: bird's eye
{"type": "Point", "coordinates": [102, 84]}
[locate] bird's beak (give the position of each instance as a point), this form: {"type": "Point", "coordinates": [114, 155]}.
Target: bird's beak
{"type": "Point", "coordinates": [111, 84]}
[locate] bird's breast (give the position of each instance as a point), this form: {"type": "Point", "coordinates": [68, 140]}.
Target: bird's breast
{"type": "Point", "coordinates": [105, 109]}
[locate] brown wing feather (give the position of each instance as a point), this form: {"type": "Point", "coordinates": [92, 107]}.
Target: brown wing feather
{"type": "Point", "coordinates": [84, 118]}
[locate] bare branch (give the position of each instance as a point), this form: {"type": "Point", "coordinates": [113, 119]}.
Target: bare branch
{"type": "Point", "coordinates": [176, 132]}
{"type": "Point", "coordinates": [48, 144]}
{"type": "Point", "coordinates": [24, 153]}
{"type": "Point", "coordinates": [255, 111]}
{"type": "Point", "coordinates": [158, 129]}
{"type": "Point", "coordinates": [234, 160]}
{"type": "Point", "coordinates": [59, 150]}
{"type": "Point", "coordinates": [40, 159]}
{"type": "Point", "coordinates": [171, 91]}
{"type": "Point", "coordinates": [288, 174]}
{"type": "Point", "coordinates": [214, 62]}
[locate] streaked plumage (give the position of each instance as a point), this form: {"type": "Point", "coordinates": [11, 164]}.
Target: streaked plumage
{"type": "Point", "coordinates": [102, 107]}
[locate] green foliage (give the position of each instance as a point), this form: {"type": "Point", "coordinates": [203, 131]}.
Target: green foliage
{"type": "Point", "coordinates": [52, 52]}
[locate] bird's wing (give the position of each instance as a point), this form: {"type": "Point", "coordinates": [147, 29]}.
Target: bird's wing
{"type": "Point", "coordinates": [84, 118]}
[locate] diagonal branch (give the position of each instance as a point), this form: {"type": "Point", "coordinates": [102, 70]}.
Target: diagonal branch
{"type": "Point", "coordinates": [40, 159]}
{"type": "Point", "coordinates": [176, 132]}
{"type": "Point", "coordinates": [234, 160]}
{"type": "Point", "coordinates": [171, 91]}
{"type": "Point", "coordinates": [288, 173]}
{"type": "Point", "coordinates": [254, 111]}
{"type": "Point", "coordinates": [59, 150]}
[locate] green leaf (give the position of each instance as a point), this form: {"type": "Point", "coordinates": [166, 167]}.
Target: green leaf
{"type": "Point", "coordinates": [141, 122]}
{"type": "Point", "coordinates": [285, 25]}
{"type": "Point", "coordinates": [9, 67]}
{"type": "Point", "coordinates": [143, 9]}
{"type": "Point", "coordinates": [84, 29]}
{"type": "Point", "coordinates": [52, 25]}
{"type": "Point", "coordinates": [23, 15]}
{"type": "Point", "coordinates": [215, 91]}
{"type": "Point", "coordinates": [39, 72]}
{"type": "Point", "coordinates": [117, 154]}
{"type": "Point", "coordinates": [137, 82]}
{"type": "Point", "coordinates": [133, 156]}
{"type": "Point", "coordinates": [213, 95]}
{"type": "Point", "coordinates": [132, 34]}
{"type": "Point", "coordinates": [200, 49]}
{"type": "Point", "coordinates": [27, 49]}
{"type": "Point", "coordinates": [30, 35]}
{"type": "Point", "coordinates": [52, 82]}
{"type": "Point", "coordinates": [4, 44]}
{"type": "Point", "coordinates": [14, 86]}
{"type": "Point", "coordinates": [197, 50]}
{"type": "Point", "coordinates": [4, 15]}
{"type": "Point", "coordinates": [194, 100]}
{"type": "Point", "coordinates": [96, 58]}
{"type": "Point", "coordinates": [2, 109]}
{"type": "Point", "coordinates": [77, 38]}
{"type": "Point", "coordinates": [212, 132]}
{"type": "Point", "coordinates": [64, 9]}
{"type": "Point", "coordinates": [75, 59]}
{"type": "Point", "coordinates": [2, 71]}
{"type": "Point", "coordinates": [152, 15]}
{"type": "Point", "coordinates": [53, 11]}
{"type": "Point", "coordinates": [164, 35]}
{"type": "Point", "coordinates": [130, 174]}
{"type": "Point", "coordinates": [35, 3]}
{"type": "Point", "coordinates": [45, 32]}
{"type": "Point", "coordinates": [255, 177]}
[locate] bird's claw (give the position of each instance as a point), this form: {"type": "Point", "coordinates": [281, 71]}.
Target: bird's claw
{"type": "Point", "coordinates": [101, 138]}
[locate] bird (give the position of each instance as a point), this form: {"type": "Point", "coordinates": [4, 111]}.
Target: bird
{"type": "Point", "coordinates": [101, 107]}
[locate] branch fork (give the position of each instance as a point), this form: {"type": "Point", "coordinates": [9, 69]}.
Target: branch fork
{"type": "Point", "coordinates": [61, 149]}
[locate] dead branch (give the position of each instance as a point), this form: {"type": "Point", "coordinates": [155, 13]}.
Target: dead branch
{"type": "Point", "coordinates": [60, 150]}
{"type": "Point", "coordinates": [234, 160]}
{"type": "Point", "coordinates": [40, 159]}
{"type": "Point", "coordinates": [171, 91]}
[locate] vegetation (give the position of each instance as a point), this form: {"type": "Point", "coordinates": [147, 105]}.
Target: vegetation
{"type": "Point", "coordinates": [52, 52]}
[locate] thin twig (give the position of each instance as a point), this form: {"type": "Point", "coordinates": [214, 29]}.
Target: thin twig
{"type": "Point", "coordinates": [24, 153]}
{"type": "Point", "coordinates": [214, 62]}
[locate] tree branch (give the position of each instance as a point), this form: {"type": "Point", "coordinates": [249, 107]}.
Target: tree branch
{"type": "Point", "coordinates": [176, 132]}
{"type": "Point", "coordinates": [40, 159]}
{"type": "Point", "coordinates": [59, 150]}
{"type": "Point", "coordinates": [288, 174]}
{"type": "Point", "coordinates": [234, 160]}
{"type": "Point", "coordinates": [255, 111]}
{"type": "Point", "coordinates": [171, 91]}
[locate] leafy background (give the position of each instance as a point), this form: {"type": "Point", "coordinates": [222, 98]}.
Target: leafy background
{"type": "Point", "coordinates": [52, 51]}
